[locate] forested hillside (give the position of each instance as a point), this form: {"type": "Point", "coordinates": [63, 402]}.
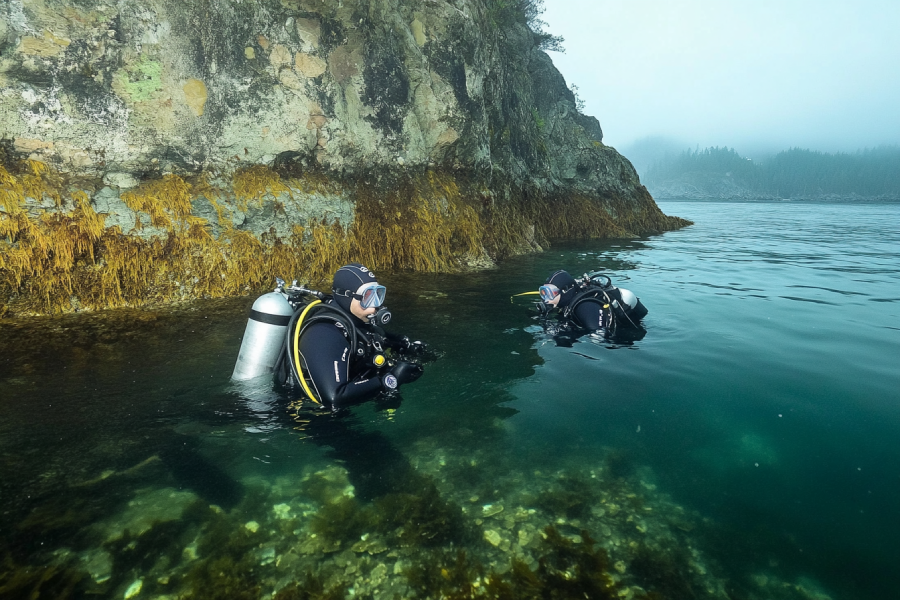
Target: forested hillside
{"type": "Point", "coordinates": [795, 173]}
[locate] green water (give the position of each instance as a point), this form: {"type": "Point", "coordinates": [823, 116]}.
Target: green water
{"type": "Point", "coordinates": [745, 447]}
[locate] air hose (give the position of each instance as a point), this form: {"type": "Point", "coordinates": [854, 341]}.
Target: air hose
{"type": "Point", "coordinates": [523, 294]}
{"type": "Point", "coordinates": [298, 330]}
{"type": "Point", "coordinates": [298, 369]}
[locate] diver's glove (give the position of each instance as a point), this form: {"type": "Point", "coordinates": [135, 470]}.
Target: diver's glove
{"type": "Point", "coordinates": [402, 372]}
{"type": "Point", "coordinates": [416, 347]}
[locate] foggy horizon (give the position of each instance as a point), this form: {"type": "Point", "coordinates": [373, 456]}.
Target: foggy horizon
{"type": "Point", "coordinates": [760, 78]}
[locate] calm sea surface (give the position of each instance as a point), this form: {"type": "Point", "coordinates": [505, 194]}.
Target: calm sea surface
{"type": "Point", "coordinates": [745, 447]}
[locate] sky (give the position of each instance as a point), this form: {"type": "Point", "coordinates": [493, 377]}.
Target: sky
{"type": "Point", "coordinates": [753, 75]}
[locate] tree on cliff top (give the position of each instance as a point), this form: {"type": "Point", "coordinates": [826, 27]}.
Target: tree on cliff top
{"type": "Point", "coordinates": [505, 12]}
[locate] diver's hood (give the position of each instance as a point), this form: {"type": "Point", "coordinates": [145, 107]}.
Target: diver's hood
{"type": "Point", "coordinates": [566, 285]}
{"type": "Point", "coordinates": [350, 277]}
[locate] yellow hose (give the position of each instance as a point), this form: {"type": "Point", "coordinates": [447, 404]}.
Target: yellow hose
{"type": "Point", "coordinates": [297, 351]}
{"type": "Point", "coordinates": [523, 294]}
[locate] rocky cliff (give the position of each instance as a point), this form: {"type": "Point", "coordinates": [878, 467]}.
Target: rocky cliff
{"type": "Point", "coordinates": [162, 149]}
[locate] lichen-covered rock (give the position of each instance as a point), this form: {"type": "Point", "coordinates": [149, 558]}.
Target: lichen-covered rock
{"type": "Point", "coordinates": [179, 86]}
{"type": "Point", "coordinates": [361, 93]}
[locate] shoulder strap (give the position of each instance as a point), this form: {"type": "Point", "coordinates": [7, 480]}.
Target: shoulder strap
{"type": "Point", "coordinates": [592, 293]}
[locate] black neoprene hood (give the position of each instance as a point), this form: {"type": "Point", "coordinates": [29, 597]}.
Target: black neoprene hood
{"type": "Point", "coordinates": [566, 285]}
{"type": "Point", "coordinates": [350, 277]}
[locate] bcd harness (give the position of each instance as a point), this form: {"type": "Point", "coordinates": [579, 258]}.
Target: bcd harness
{"type": "Point", "coordinates": [606, 296]}
{"type": "Point", "coordinates": [366, 346]}
{"type": "Point", "coordinates": [591, 294]}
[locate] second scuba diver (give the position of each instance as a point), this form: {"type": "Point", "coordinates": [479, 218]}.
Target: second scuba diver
{"type": "Point", "coordinates": [591, 303]}
{"type": "Point", "coordinates": [339, 356]}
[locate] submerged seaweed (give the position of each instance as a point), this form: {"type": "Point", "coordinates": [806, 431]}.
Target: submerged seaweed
{"type": "Point", "coordinates": [570, 496]}
{"type": "Point", "coordinates": [565, 570]}
{"type": "Point", "coordinates": [312, 588]}
{"type": "Point", "coordinates": [589, 536]}
{"type": "Point", "coordinates": [448, 574]}
{"type": "Point", "coordinates": [341, 521]}
{"type": "Point", "coordinates": [27, 582]}
{"type": "Point", "coordinates": [423, 519]}
{"type": "Point", "coordinates": [226, 566]}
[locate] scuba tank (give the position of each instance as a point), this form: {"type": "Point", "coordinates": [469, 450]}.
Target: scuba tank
{"type": "Point", "coordinates": [263, 336]}
{"type": "Point", "coordinates": [623, 302]}
{"type": "Point", "coordinates": [631, 305]}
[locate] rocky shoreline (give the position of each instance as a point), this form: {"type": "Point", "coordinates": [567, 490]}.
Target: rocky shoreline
{"type": "Point", "coordinates": [162, 152]}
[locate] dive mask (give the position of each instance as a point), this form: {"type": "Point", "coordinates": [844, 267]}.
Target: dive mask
{"type": "Point", "coordinates": [549, 292]}
{"type": "Point", "coordinates": [371, 295]}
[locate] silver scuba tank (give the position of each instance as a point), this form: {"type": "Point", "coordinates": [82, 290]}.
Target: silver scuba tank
{"type": "Point", "coordinates": [628, 298]}
{"type": "Point", "coordinates": [263, 337]}
{"type": "Point", "coordinates": [631, 304]}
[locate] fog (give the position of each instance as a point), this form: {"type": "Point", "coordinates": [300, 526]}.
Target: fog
{"type": "Point", "coordinates": [758, 76]}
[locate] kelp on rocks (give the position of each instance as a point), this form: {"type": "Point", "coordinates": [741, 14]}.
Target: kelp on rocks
{"type": "Point", "coordinates": [58, 253]}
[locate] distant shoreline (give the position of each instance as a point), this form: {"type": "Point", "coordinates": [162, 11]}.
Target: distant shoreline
{"type": "Point", "coordinates": [812, 199]}
{"type": "Point", "coordinates": [795, 174]}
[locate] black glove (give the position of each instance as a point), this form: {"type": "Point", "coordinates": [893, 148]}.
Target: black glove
{"type": "Point", "coordinates": [405, 345]}
{"type": "Point", "coordinates": [406, 372]}
{"type": "Point", "coordinates": [402, 372]}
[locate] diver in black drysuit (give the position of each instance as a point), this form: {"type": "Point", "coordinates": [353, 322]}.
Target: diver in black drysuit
{"type": "Point", "coordinates": [587, 314]}
{"type": "Point", "coordinates": [339, 375]}
{"type": "Point", "coordinates": [594, 308]}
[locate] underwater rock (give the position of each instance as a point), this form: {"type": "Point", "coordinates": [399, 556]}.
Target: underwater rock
{"type": "Point", "coordinates": [378, 574]}
{"type": "Point", "coordinates": [252, 526]}
{"type": "Point", "coordinates": [525, 537]}
{"type": "Point", "coordinates": [266, 556]}
{"type": "Point", "coordinates": [190, 552]}
{"type": "Point", "coordinates": [98, 563]}
{"type": "Point", "coordinates": [328, 485]}
{"type": "Point", "coordinates": [134, 589]}
{"type": "Point", "coordinates": [370, 546]}
{"type": "Point", "coordinates": [146, 509]}
{"type": "Point", "coordinates": [493, 537]}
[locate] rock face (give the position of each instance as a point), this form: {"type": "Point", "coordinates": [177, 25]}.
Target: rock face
{"type": "Point", "coordinates": [174, 86]}
{"type": "Point", "coordinates": [358, 93]}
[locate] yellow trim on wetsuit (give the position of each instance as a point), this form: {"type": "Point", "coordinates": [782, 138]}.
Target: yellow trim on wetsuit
{"type": "Point", "coordinates": [297, 350]}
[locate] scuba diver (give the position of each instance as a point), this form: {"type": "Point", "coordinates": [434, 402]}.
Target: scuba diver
{"type": "Point", "coordinates": [591, 304]}
{"type": "Point", "coordinates": [332, 346]}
